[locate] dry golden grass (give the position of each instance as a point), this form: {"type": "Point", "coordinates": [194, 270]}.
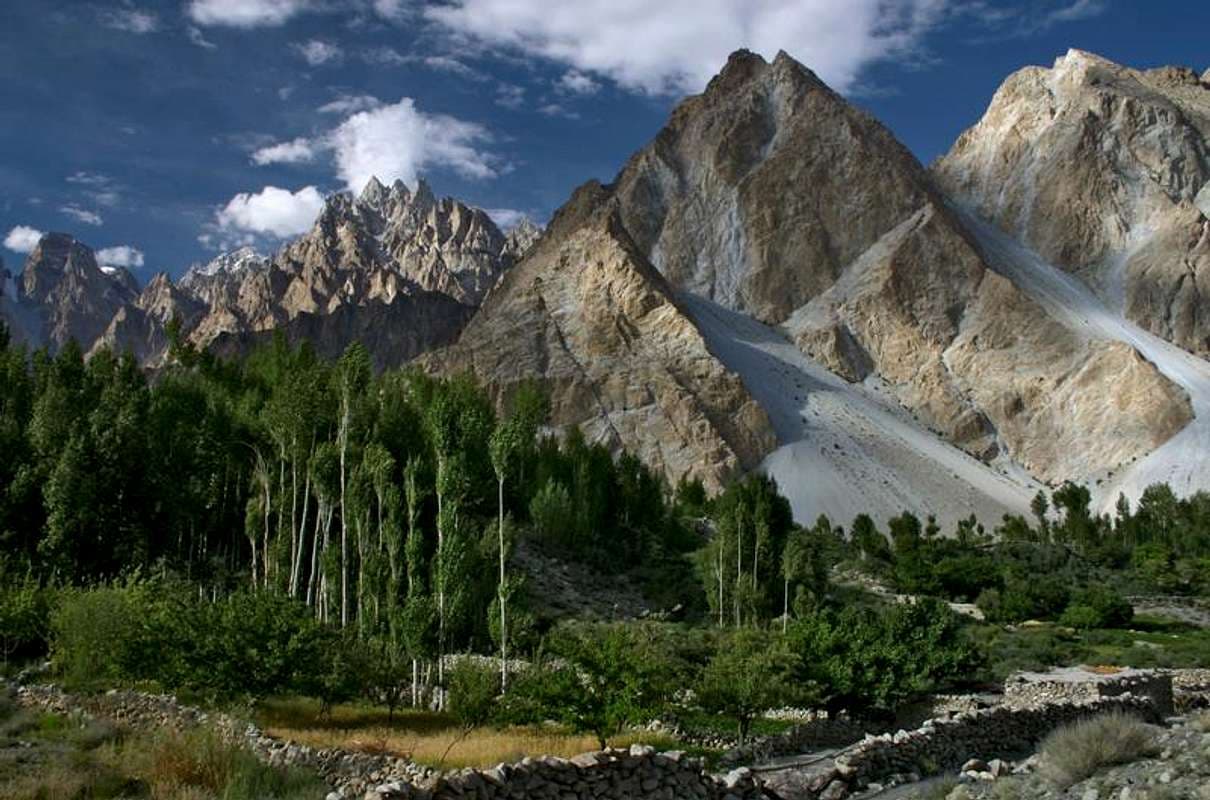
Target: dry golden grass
{"type": "Point", "coordinates": [425, 737]}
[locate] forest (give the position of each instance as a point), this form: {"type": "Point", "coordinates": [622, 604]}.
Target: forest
{"type": "Point", "coordinates": [283, 525]}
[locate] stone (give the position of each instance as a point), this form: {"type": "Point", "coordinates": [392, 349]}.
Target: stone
{"type": "Point", "coordinates": [836, 790]}
{"type": "Point", "coordinates": [975, 765]}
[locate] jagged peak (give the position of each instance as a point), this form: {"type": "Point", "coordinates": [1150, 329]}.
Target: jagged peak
{"type": "Point", "coordinates": [373, 194]}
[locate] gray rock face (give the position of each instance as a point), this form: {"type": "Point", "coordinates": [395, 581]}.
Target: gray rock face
{"type": "Point", "coordinates": [398, 270]}
{"type": "Point", "coordinates": [73, 298]}
{"type": "Point", "coordinates": [771, 195]}
{"type": "Point", "coordinates": [1102, 170]}
{"type": "Point", "coordinates": [760, 191]}
{"type": "Point", "coordinates": [587, 314]}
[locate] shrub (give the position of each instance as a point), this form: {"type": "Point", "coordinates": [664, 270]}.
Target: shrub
{"type": "Point", "coordinates": [1076, 751]}
{"type": "Point", "coordinates": [95, 635]}
{"type": "Point", "coordinates": [473, 691]}
{"type": "Point", "coordinates": [867, 659]}
{"type": "Point", "coordinates": [1097, 607]}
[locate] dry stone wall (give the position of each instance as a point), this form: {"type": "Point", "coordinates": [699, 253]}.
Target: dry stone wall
{"type": "Point", "coordinates": [639, 773]}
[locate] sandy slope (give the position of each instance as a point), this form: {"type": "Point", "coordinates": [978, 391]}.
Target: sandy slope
{"type": "Point", "coordinates": [1184, 460]}
{"type": "Point", "coordinates": [846, 448]}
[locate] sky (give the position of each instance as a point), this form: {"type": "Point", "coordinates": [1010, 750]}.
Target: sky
{"type": "Point", "coordinates": [161, 133]}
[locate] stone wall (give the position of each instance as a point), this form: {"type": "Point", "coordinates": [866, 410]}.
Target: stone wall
{"type": "Point", "coordinates": [639, 773]}
{"type": "Point", "coordinates": [945, 744]}
{"type": "Point", "coordinates": [1075, 684]}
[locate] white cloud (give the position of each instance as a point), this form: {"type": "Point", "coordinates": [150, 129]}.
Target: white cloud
{"type": "Point", "coordinates": [82, 214]}
{"type": "Point", "coordinates": [1080, 9]}
{"type": "Point", "coordinates": [506, 218]}
{"type": "Point", "coordinates": [577, 82]}
{"type": "Point", "coordinates": [350, 104]}
{"type": "Point", "coordinates": [101, 189]}
{"type": "Point", "coordinates": [385, 55]}
{"type": "Point", "coordinates": [245, 13]}
{"type": "Point", "coordinates": [293, 152]}
{"type": "Point", "coordinates": [22, 239]}
{"type": "Point", "coordinates": [390, 9]}
{"type": "Point", "coordinates": [131, 20]}
{"type": "Point", "coordinates": [453, 65]}
{"type": "Point", "coordinates": [510, 95]}
{"type": "Point", "coordinates": [120, 256]}
{"type": "Point", "coordinates": [557, 110]}
{"type": "Point", "coordinates": [397, 141]}
{"type": "Point", "coordinates": [676, 46]}
{"type": "Point", "coordinates": [317, 52]}
{"type": "Point", "coordinates": [271, 211]}
{"type": "Point", "coordinates": [197, 37]}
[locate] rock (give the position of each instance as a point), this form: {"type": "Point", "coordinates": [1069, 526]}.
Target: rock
{"type": "Point", "coordinates": [975, 765]}
{"type": "Point", "coordinates": [1090, 794]}
{"type": "Point", "coordinates": [836, 790]}
{"type": "Point", "coordinates": [1098, 167]}
{"type": "Point", "coordinates": [587, 315]}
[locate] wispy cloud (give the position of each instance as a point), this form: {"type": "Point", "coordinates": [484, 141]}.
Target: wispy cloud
{"type": "Point", "coordinates": [245, 13]}
{"type": "Point", "coordinates": [131, 20]}
{"type": "Point", "coordinates": [317, 52]}
{"type": "Point", "coordinates": [350, 104]}
{"type": "Point", "coordinates": [97, 187]}
{"type": "Point", "coordinates": [198, 38]}
{"type": "Point", "coordinates": [82, 214]}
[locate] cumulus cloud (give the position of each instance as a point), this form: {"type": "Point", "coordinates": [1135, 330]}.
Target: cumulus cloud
{"type": "Point", "coordinates": [22, 239]}
{"type": "Point", "coordinates": [245, 13]}
{"type": "Point", "coordinates": [577, 82]}
{"type": "Point", "coordinates": [317, 52]}
{"type": "Point", "coordinates": [350, 104]}
{"type": "Point", "coordinates": [397, 141]}
{"type": "Point", "coordinates": [131, 20]}
{"type": "Point", "coordinates": [81, 214]}
{"type": "Point", "coordinates": [293, 152]}
{"type": "Point", "coordinates": [120, 256]}
{"type": "Point", "coordinates": [271, 212]}
{"type": "Point", "coordinates": [676, 46]}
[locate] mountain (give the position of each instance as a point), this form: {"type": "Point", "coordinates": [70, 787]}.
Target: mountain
{"type": "Point", "coordinates": [587, 314]}
{"type": "Point", "coordinates": [1105, 172]}
{"type": "Point", "coordinates": [63, 294]}
{"type": "Point", "coordinates": [399, 270]}
{"type": "Point", "coordinates": [774, 282]}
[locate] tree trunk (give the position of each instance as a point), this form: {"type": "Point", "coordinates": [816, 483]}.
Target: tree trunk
{"type": "Point", "coordinates": [440, 575]}
{"type": "Point", "coordinates": [503, 619]}
{"type": "Point", "coordinates": [344, 512]}
{"type": "Point", "coordinates": [739, 565]}
{"type": "Point", "coordinates": [785, 607]}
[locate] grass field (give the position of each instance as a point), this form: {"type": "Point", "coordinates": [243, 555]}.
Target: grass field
{"type": "Point", "coordinates": [56, 757]}
{"type": "Point", "coordinates": [1149, 642]}
{"type": "Point", "coordinates": [426, 737]}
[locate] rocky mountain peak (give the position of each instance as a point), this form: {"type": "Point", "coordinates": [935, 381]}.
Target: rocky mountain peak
{"type": "Point", "coordinates": [55, 256]}
{"type": "Point", "coordinates": [1101, 169]}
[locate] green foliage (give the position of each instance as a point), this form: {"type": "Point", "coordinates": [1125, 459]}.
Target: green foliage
{"type": "Point", "coordinates": [748, 674]}
{"type": "Point", "coordinates": [876, 659]}
{"type": "Point", "coordinates": [609, 677]}
{"type": "Point", "coordinates": [1097, 607]}
{"type": "Point", "coordinates": [473, 691]}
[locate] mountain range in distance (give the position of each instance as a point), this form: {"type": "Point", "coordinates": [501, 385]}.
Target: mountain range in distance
{"type": "Point", "coordinates": [774, 282]}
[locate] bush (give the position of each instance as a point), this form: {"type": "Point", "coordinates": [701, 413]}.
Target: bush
{"type": "Point", "coordinates": [1097, 607]}
{"type": "Point", "coordinates": [1076, 751]}
{"type": "Point", "coordinates": [1021, 599]}
{"type": "Point", "coordinates": [95, 635]}
{"type": "Point", "coordinates": [875, 659]}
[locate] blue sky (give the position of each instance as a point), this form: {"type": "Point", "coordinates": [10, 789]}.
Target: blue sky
{"type": "Point", "coordinates": [161, 132]}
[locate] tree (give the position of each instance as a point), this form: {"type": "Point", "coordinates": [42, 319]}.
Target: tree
{"type": "Point", "coordinates": [748, 674]}
{"type": "Point", "coordinates": [506, 443]}
{"type": "Point", "coordinates": [352, 378]}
